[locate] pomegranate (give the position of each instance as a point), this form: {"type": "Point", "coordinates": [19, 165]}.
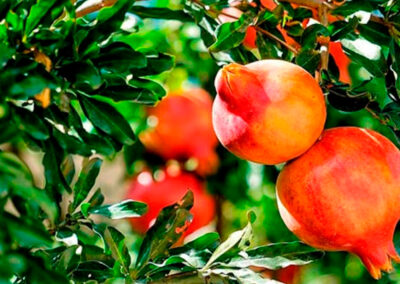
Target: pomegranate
{"type": "Point", "coordinates": [168, 189]}
{"type": "Point", "coordinates": [181, 128]}
{"type": "Point", "coordinates": [343, 194]}
{"type": "Point", "coordinates": [268, 111]}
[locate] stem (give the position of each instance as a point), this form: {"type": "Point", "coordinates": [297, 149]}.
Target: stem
{"type": "Point", "coordinates": [274, 37]}
{"type": "Point", "coordinates": [180, 278]}
{"type": "Point", "coordinates": [83, 10]}
{"type": "Point", "coordinates": [307, 3]}
{"type": "Point", "coordinates": [323, 15]}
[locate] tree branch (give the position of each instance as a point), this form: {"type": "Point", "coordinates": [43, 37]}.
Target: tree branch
{"type": "Point", "coordinates": [274, 37]}
{"type": "Point", "coordinates": [85, 9]}
{"type": "Point", "coordinates": [306, 3]}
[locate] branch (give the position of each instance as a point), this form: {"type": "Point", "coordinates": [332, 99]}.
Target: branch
{"type": "Point", "coordinates": [306, 3]}
{"type": "Point", "coordinates": [90, 7]}
{"type": "Point", "coordinates": [180, 278]}
{"type": "Point", "coordinates": [274, 37]}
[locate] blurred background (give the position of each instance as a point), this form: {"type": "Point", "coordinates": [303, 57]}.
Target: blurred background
{"type": "Point", "coordinates": [225, 187]}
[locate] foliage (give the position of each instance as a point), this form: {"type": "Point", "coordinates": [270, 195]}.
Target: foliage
{"type": "Point", "coordinates": [69, 85]}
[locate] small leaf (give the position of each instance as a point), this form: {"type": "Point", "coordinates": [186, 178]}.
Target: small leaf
{"type": "Point", "coordinates": [86, 180]}
{"type": "Point", "coordinates": [119, 251]}
{"type": "Point", "coordinates": [233, 240]}
{"type": "Point", "coordinates": [276, 256]}
{"type": "Point", "coordinates": [168, 228]}
{"type": "Point", "coordinates": [230, 34]}
{"type": "Point", "coordinates": [124, 209]}
{"type": "Point", "coordinates": [106, 118]}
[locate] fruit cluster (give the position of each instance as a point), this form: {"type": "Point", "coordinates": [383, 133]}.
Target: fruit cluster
{"type": "Point", "coordinates": [339, 189]}
{"type": "Point", "coordinates": [180, 132]}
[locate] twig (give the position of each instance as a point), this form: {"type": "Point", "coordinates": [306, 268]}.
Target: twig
{"type": "Point", "coordinates": [323, 16]}
{"type": "Point", "coordinates": [184, 277]}
{"type": "Point", "coordinates": [307, 3]}
{"type": "Point", "coordinates": [274, 37]}
{"type": "Point", "coordinates": [83, 10]}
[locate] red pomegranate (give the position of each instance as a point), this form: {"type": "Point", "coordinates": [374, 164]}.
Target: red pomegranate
{"type": "Point", "coordinates": [181, 128]}
{"type": "Point", "coordinates": [168, 189]}
{"type": "Point", "coordinates": [268, 111]}
{"type": "Point", "coordinates": [343, 194]}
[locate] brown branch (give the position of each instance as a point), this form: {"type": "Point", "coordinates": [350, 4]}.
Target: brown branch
{"type": "Point", "coordinates": [83, 11]}
{"type": "Point", "coordinates": [323, 16]}
{"type": "Point", "coordinates": [274, 37]}
{"type": "Point", "coordinates": [306, 3]}
{"type": "Point", "coordinates": [182, 278]}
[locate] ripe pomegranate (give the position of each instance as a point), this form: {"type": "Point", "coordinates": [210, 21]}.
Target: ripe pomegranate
{"type": "Point", "coordinates": [343, 194]}
{"type": "Point", "coordinates": [170, 188]}
{"type": "Point", "coordinates": [181, 128]}
{"type": "Point", "coordinates": [268, 111]}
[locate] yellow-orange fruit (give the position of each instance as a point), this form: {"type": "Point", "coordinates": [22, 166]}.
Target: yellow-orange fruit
{"type": "Point", "coordinates": [169, 189]}
{"type": "Point", "coordinates": [181, 128]}
{"type": "Point", "coordinates": [343, 194]}
{"type": "Point", "coordinates": [268, 111]}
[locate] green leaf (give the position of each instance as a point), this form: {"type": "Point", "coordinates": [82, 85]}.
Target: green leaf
{"type": "Point", "coordinates": [71, 144]}
{"type": "Point", "coordinates": [86, 180]}
{"type": "Point", "coordinates": [276, 256]}
{"type": "Point", "coordinates": [30, 123]}
{"type": "Point", "coordinates": [119, 57]}
{"type": "Point", "coordinates": [119, 251]}
{"type": "Point", "coordinates": [156, 64]}
{"type": "Point", "coordinates": [68, 169]}
{"type": "Point", "coordinates": [231, 34]}
{"type": "Point", "coordinates": [37, 12]}
{"type": "Point", "coordinates": [243, 275]}
{"type": "Point", "coordinates": [106, 118]}
{"type": "Point", "coordinates": [83, 75]}
{"type": "Point", "coordinates": [40, 197]}
{"type": "Point", "coordinates": [235, 239]}
{"type": "Point", "coordinates": [124, 209]}
{"type": "Point", "coordinates": [25, 234]}
{"type": "Point", "coordinates": [309, 60]}
{"type": "Point", "coordinates": [168, 228]}
{"type": "Point", "coordinates": [160, 13]}
{"type": "Point", "coordinates": [367, 54]}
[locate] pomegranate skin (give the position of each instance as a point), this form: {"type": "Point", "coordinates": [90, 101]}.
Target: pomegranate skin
{"type": "Point", "coordinates": [343, 194]}
{"type": "Point", "coordinates": [170, 189]}
{"type": "Point", "coordinates": [183, 129]}
{"type": "Point", "coordinates": [269, 111]}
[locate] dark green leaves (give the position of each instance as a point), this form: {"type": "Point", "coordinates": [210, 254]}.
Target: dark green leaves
{"type": "Point", "coordinates": [230, 35]}
{"type": "Point", "coordinates": [171, 223]}
{"type": "Point", "coordinates": [107, 119]}
{"type": "Point", "coordinates": [87, 178]}
{"type": "Point", "coordinates": [119, 251]}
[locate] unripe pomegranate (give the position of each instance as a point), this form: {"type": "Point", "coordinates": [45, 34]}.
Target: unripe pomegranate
{"type": "Point", "coordinates": [343, 194]}
{"type": "Point", "coordinates": [168, 189]}
{"type": "Point", "coordinates": [181, 128]}
{"type": "Point", "coordinates": [268, 111]}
